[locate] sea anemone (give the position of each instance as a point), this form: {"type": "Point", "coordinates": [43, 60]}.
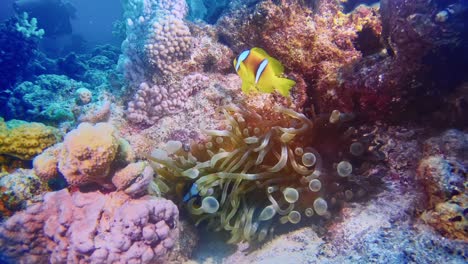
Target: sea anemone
{"type": "Point", "coordinates": [260, 169]}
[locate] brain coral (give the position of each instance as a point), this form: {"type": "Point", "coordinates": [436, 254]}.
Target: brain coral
{"type": "Point", "coordinates": [90, 228]}
{"type": "Point", "coordinates": [88, 152]}
{"type": "Point", "coordinates": [260, 170]}
{"type": "Point", "coordinates": [25, 140]}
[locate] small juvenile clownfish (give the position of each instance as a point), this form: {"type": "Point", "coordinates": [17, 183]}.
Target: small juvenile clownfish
{"type": "Point", "coordinates": [191, 193]}
{"type": "Point", "coordinates": [261, 72]}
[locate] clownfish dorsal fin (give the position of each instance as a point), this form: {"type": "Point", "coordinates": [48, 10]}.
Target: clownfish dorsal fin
{"type": "Point", "coordinates": [275, 65]}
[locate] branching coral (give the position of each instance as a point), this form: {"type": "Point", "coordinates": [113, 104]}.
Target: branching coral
{"type": "Point", "coordinates": [259, 169]}
{"type": "Point", "coordinates": [29, 27]}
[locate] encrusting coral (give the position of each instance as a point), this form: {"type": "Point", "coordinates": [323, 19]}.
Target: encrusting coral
{"type": "Point", "coordinates": [17, 189]}
{"type": "Point", "coordinates": [258, 170]}
{"type": "Point", "coordinates": [25, 140]}
{"type": "Point", "coordinates": [442, 174]}
{"type": "Point", "coordinates": [91, 228]}
{"type": "Point", "coordinates": [151, 103]}
{"type": "Point", "coordinates": [89, 154]}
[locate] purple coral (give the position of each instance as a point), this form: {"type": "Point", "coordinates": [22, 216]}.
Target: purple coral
{"type": "Point", "coordinates": [157, 36]}
{"type": "Point", "coordinates": [91, 228]}
{"type": "Point", "coordinates": [151, 103]}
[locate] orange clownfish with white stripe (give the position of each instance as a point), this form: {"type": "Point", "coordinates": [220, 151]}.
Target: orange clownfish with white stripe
{"type": "Point", "coordinates": [261, 72]}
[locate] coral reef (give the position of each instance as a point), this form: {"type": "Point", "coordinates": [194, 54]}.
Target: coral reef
{"type": "Point", "coordinates": [157, 39]}
{"type": "Point", "coordinates": [84, 96]}
{"type": "Point", "coordinates": [360, 61]}
{"type": "Point", "coordinates": [319, 42]}
{"type": "Point", "coordinates": [207, 10]}
{"type": "Point", "coordinates": [72, 66]}
{"type": "Point", "coordinates": [384, 227]}
{"type": "Point", "coordinates": [25, 140]}
{"type": "Point", "coordinates": [134, 178]}
{"type": "Point", "coordinates": [418, 62]}
{"type": "Point", "coordinates": [208, 54]}
{"type": "Point", "coordinates": [47, 99]}
{"type": "Point", "coordinates": [29, 27]}
{"type": "Point", "coordinates": [442, 171]}
{"type": "Point", "coordinates": [151, 103]}
{"type": "Point", "coordinates": [94, 112]}
{"type": "Point", "coordinates": [259, 170]}
{"type": "Point", "coordinates": [89, 154]}
{"type": "Point", "coordinates": [91, 227]}
{"type": "Point", "coordinates": [17, 189]}
{"type": "Point", "coordinates": [17, 52]}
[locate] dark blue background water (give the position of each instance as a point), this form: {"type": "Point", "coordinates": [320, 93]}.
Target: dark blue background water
{"type": "Point", "coordinates": [93, 22]}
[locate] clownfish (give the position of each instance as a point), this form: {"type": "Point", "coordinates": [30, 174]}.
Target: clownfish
{"type": "Point", "coordinates": [191, 193]}
{"type": "Point", "coordinates": [261, 72]}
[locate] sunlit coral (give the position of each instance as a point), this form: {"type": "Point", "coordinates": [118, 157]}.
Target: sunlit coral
{"type": "Point", "coordinates": [89, 154]}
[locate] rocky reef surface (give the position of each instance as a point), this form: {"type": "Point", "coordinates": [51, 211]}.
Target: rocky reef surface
{"type": "Point", "coordinates": [153, 154]}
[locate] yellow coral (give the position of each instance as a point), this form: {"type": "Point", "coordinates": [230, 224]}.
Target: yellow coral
{"type": "Point", "coordinates": [26, 140]}
{"type": "Point", "coordinates": [88, 153]}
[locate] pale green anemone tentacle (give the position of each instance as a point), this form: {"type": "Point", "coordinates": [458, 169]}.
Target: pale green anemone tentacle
{"type": "Point", "coordinates": [320, 206]}
{"type": "Point", "coordinates": [267, 213]}
{"type": "Point", "coordinates": [277, 207]}
{"type": "Point", "coordinates": [225, 189]}
{"type": "Point", "coordinates": [298, 168]}
{"type": "Point", "coordinates": [234, 166]}
{"type": "Point", "coordinates": [217, 157]}
{"type": "Point", "coordinates": [233, 123]}
{"type": "Point", "coordinates": [248, 223]}
{"type": "Point", "coordinates": [282, 161]}
{"type": "Point", "coordinates": [262, 154]}
{"type": "Point", "coordinates": [291, 195]}
{"type": "Point", "coordinates": [228, 159]}
{"type": "Point", "coordinates": [223, 133]}
{"type": "Point", "coordinates": [344, 168]}
{"type": "Point", "coordinates": [251, 140]}
{"type": "Point", "coordinates": [265, 142]}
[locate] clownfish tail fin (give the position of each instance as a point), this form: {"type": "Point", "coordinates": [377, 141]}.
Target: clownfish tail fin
{"type": "Point", "coordinates": [284, 85]}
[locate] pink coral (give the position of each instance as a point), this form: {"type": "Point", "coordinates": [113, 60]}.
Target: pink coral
{"type": "Point", "coordinates": [157, 36]}
{"type": "Point", "coordinates": [94, 112]}
{"type": "Point", "coordinates": [134, 178]}
{"type": "Point", "coordinates": [91, 228]}
{"type": "Point", "coordinates": [151, 103]}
